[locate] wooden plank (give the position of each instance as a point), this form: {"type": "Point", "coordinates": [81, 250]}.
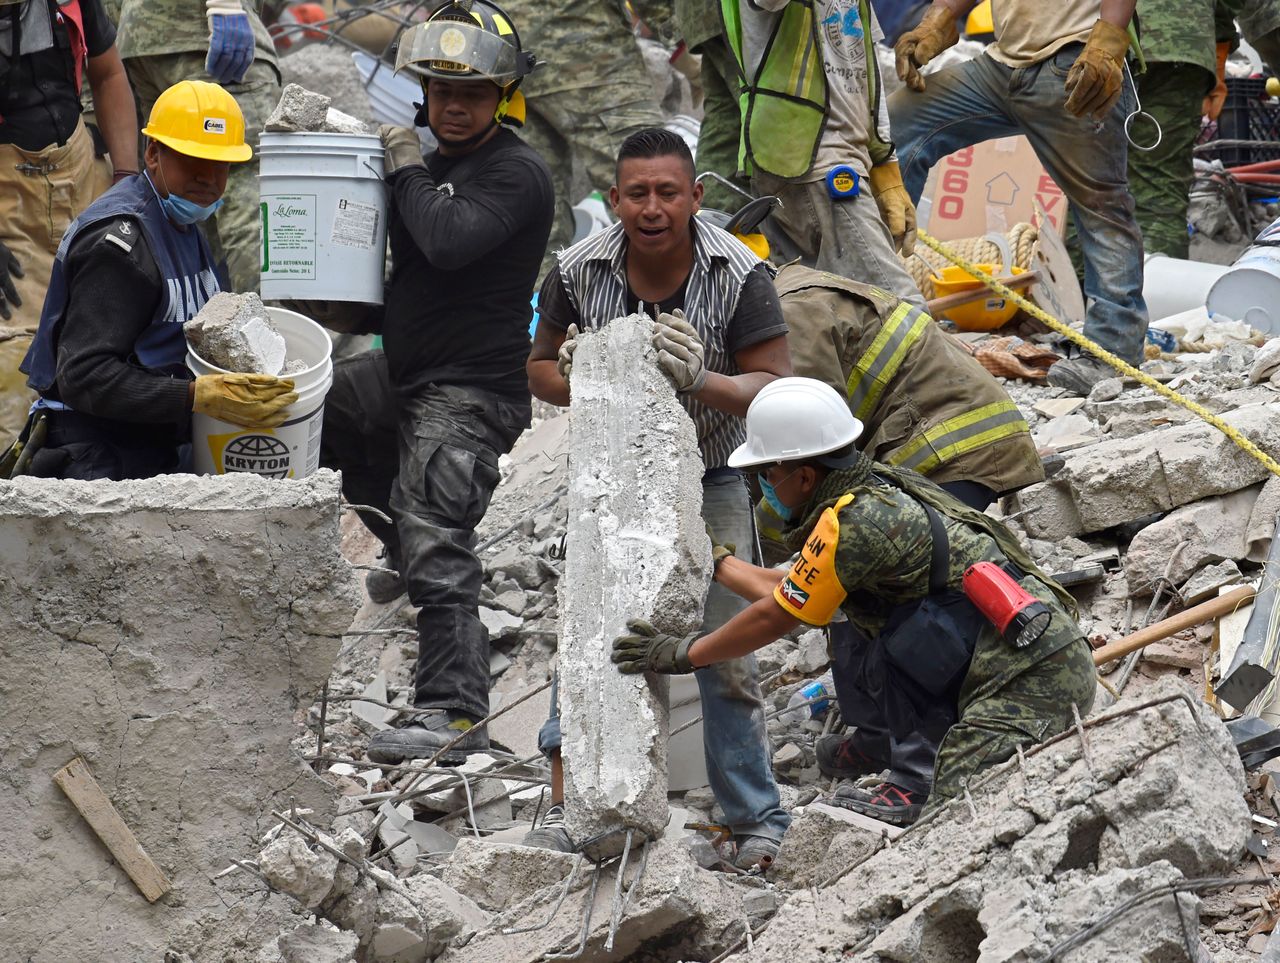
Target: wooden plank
{"type": "Point", "coordinates": [87, 796]}
{"type": "Point", "coordinates": [1198, 615]}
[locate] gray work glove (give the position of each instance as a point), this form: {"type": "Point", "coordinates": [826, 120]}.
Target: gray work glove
{"type": "Point", "coordinates": [646, 649]}
{"type": "Point", "coordinates": [402, 148]}
{"type": "Point", "coordinates": [9, 269]}
{"type": "Point", "coordinates": [564, 357]}
{"type": "Point", "coordinates": [680, 351]}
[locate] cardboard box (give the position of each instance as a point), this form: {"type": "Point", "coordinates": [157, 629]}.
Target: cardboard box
{"type": "Point", "coordinates": [989, 187]}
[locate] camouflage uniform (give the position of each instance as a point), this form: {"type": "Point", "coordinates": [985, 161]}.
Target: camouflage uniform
{"type": "Point", "coordinates": [592, 91]}
{"type": "Point", "coordinates": [1259, 22]}
{"type": "Point", "coordinates": [1008, 697]}
{"type": "Point", "coordinates": [1178, 44]}
{"type": "Point", "coordinates": [163, 42]}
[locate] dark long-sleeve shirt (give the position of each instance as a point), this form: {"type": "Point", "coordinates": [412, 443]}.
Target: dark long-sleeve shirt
{"type": "Point", "coordinates": [465, 257]}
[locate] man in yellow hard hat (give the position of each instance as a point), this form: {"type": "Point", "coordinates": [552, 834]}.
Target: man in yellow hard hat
{"type": "Point", "coordinates": [115, 396]}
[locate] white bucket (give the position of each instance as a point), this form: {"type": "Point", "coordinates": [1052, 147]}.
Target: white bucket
{"type": "Point", "coordinates": [1250, 290]}
{"type": "Point", "coordinates": [293, 449]}
{"type": "Point", "coordinates": [1171, 285]}
{"type": "Point", "coordinates": [324, 217]}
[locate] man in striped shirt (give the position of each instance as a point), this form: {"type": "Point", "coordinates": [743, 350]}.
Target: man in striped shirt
{"type": "Point", "coordinates": [730, 343]}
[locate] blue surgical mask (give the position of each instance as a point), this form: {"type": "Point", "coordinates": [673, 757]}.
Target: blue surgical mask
{"type": "Point", "coordinates": [774, 502]}
{"type": "Point", "coordinates": [182, 211]}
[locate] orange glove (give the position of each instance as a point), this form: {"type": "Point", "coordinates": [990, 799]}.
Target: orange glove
{"type": "Point", "coordinates": [933, 34]}
{"type": "Point", "coordinates": [1215, 98]}
{"type": "Point", "coordinates": [1095, 79]}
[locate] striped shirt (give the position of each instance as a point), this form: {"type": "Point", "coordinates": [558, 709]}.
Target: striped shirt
{"type": "Point", "coordinates": [592, 274]}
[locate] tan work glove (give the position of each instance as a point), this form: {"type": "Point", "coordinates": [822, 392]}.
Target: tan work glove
{"type": "Point", "coordinates": [402, 148]}
{"type": "Point", "coordinates": [933, 34]}
{"type": "Point", "coordinates": [1216, 98]}
{"type": "Point", "coordinates": [1096, 78]}
{"type": "Point", "coordinates": [564, 357]}
{"type": "Point", "coordinates": [719, 552]}
{"type": "Point", "coordinates": [896, 209]}
{"type": "Point", "coordinates": [680, 351]}
{"type": "Point", "coordinates": [248, 400]}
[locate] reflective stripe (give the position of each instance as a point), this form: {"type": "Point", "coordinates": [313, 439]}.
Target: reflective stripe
{"type": "Point", "coordinates": [880, 362]}
{"type": "Point", "coordinates": [959, 435]}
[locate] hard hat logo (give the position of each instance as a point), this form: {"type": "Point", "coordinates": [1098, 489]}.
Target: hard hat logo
{"type": "Point", "coordinates": [215, 125]}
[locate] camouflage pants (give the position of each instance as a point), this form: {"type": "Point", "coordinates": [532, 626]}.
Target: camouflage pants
{"type": "Point", "coordinates": [1160, 179]}
{"type": "Point", "coordinates": [1031, 707]}
{"type": "Point", "coordinates": [586, 125]}
{"type": "Point", "coordinates": [234, 232]}
{"type": "Point", "coordinates": [721, 126]}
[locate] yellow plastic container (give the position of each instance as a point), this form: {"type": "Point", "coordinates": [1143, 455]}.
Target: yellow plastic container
{"type": "Point", "coordinates": [984, 314]}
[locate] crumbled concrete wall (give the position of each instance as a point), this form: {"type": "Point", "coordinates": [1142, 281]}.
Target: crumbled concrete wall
{"type": "Point", "coordinates": [637, 549]}
{"type": "Point", "coordinates": [1048, 848]}
{"type": "Point", "coordinates": [1118, 481]}
{"type": "Point", "coordinates": [168, 631]}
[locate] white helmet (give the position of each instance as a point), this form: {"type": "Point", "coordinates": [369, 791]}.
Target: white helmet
{"type": "Point", "coordinates": [795, 418]}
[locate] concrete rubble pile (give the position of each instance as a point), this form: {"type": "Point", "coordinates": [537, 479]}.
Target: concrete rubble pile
{"type": "Point", "coordinates": [304, 111]}
{"type": "Point", "coordinates": [165, 632]}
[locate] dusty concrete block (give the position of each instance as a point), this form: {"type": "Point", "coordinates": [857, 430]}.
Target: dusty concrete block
{"type": "Point", "coordinates": [449, 915]}
{"type": "Point", "coordinates": [303, 871]}
{"type": "Point", "coordinates": [311, 943]}
{"type": "Point", "coordinates": [299, 110]}
{"type": "Point", "coordinates": [1206, 582]}
{"type": "Point", "coordinates": [821, 841]}
{"type": "Point", "coordinates": [496, 876]}
{"type": "Point", "coordinates": [690, 912]}
{"type": "Point", "coordinates": [1054, 843]}
{"type": "Point", "coordinates": [1189, 538]}
{"type": "Point", "coordinates": [233, 332]}
{"type": "Point", "coordinates": [637, 549]}
{"type": "Point", "coordinates": [336, 122]}
{"type": "Point", "coordinates": [1113, 482]}
{"type": "Point", "coordinates": [168, 631]}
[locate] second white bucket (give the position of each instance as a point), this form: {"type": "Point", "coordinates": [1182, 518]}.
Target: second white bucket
{"type": "Point", "coordinates": [1171, 285]}
{"type": "Point", "coordinates": [293, 449]}
{"type": "Point", "coordinates": [324, 217]}
{"type": "Point", "coordinates": [1250, 290]}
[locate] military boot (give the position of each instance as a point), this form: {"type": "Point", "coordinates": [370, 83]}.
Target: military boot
{"type": "Point", "coordinates": [385, 584]}
{"type": "Point", "coordinates": [425, 735]}
{"type": "Point", "coordinates": [1079, 375]}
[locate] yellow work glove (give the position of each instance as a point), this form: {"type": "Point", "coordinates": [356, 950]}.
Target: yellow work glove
{"type": "Point", "coordinates": [1214, 99]}
{"type": "Point", "coordinates": [248, 400]}
{"type": "Point", "coordinates": [1096, 78]}
{"type": "Point", "coordinates": [896, 209]}
{"type": "Point", "coordinates": [933, 34]}
{"type": "Point", "coordinates": [401, 147]}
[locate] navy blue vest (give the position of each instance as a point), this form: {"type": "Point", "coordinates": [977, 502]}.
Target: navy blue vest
{"type": "Point", "coordinates": [186, 265]}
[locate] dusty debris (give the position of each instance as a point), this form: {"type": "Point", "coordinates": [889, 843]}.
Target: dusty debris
{"type": "Point", "coordinates": [299, 110]}
{"type": "Point", "coordinates": [235, 333]}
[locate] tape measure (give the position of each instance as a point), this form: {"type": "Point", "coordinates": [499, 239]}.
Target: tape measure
{"type": "Point", "coordinates": [842, 182]}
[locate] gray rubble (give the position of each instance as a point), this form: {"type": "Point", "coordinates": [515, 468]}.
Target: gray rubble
{"type": "Point", "coordinates": [299, 110]}
{"type": "Point", "coordinates": [234, 332]}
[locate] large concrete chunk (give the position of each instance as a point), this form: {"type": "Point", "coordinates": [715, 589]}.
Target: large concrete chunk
{"type": "Point", "coordinates": [637, 548]}
{"type": "Point", "coordinates": [1114, 482]}
{"type": "Point", "coordinates": [167, 631]}
{"type": "Point", "coordinates": [233, 332]}
{"type": "Point", "coordinates": [1189, 538]}
{"type": "Point", "coordinates": [1049, 846]}
{"type": "Point", "coordinates": [497, 875]}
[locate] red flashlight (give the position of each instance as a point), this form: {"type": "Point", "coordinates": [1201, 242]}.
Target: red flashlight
{"type": "Point", "coordinates": [1018, 615]}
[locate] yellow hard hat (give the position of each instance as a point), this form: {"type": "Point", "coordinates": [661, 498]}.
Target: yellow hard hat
{"type": "Point", "coordinates": [980, 21]}
{"type": "Point", "coordinates": [199, 119]}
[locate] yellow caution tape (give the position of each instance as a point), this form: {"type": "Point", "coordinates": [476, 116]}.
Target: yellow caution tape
{"type": "Point", "coordinates": [1099, 352]}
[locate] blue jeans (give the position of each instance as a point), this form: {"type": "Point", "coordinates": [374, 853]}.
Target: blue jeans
{"type": "Point", "coordinates": [969, 103]}
{"type": "Point", "coordinates": [733, 731]}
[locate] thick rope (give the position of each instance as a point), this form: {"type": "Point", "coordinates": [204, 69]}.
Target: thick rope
{"type": "Point", "coordinates": [1022, 239]}
{"type": "Point", "coordinates": [1121, 366]}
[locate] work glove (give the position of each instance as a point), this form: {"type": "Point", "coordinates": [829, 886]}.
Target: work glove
{"type": "Point", "coordinates": [1096, 78]}
{"type": "Point", "coordinates": [719, 552]}
{"type": "Point", "coordinates": [896, 209]}
{"type": "Point", "coordinates": [231, 46]}
{"type": "Point", "coordinates": [248, 400]}
{"type": "Point", "coordinates": [933, 34]}
{"type": "Point", "coordinates": [680, 351]}
{"type": "Point", "coordinates": [1216, 98]}
{"type": "Point", "coordinates": [402, 148]}
{"type": "Point", "coordinates": [9, 269]}
{"type": "Point", "coordinates": [564, 357]}
{"type": "Point", "coordinates": [646, 649]}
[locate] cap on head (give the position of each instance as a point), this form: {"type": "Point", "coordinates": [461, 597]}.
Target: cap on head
{"type": "Point", "coordinates": [199, 119]}
{"type": "Point", "coordinates": [793, 419]}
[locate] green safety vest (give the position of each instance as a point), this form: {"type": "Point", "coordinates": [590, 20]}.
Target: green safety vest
{"type": "Point", "coordinates": [783, 89]}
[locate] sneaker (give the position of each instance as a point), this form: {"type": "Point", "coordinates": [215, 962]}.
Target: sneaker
{"type": "Point", "coordinates": [839, 756]}
{"type": "Point", "coordinates": [1079, 375]}
{"type": "Point", "coordinates": [423, 737]}
{"type": "Point", "coordinates": [885, 802]}
{"type": "Point", "coordinates": [756, 853]}
{"type": "Point", "coordinates": [384, 585]}
{"type": "Point", "coordinates": [550, 832]}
